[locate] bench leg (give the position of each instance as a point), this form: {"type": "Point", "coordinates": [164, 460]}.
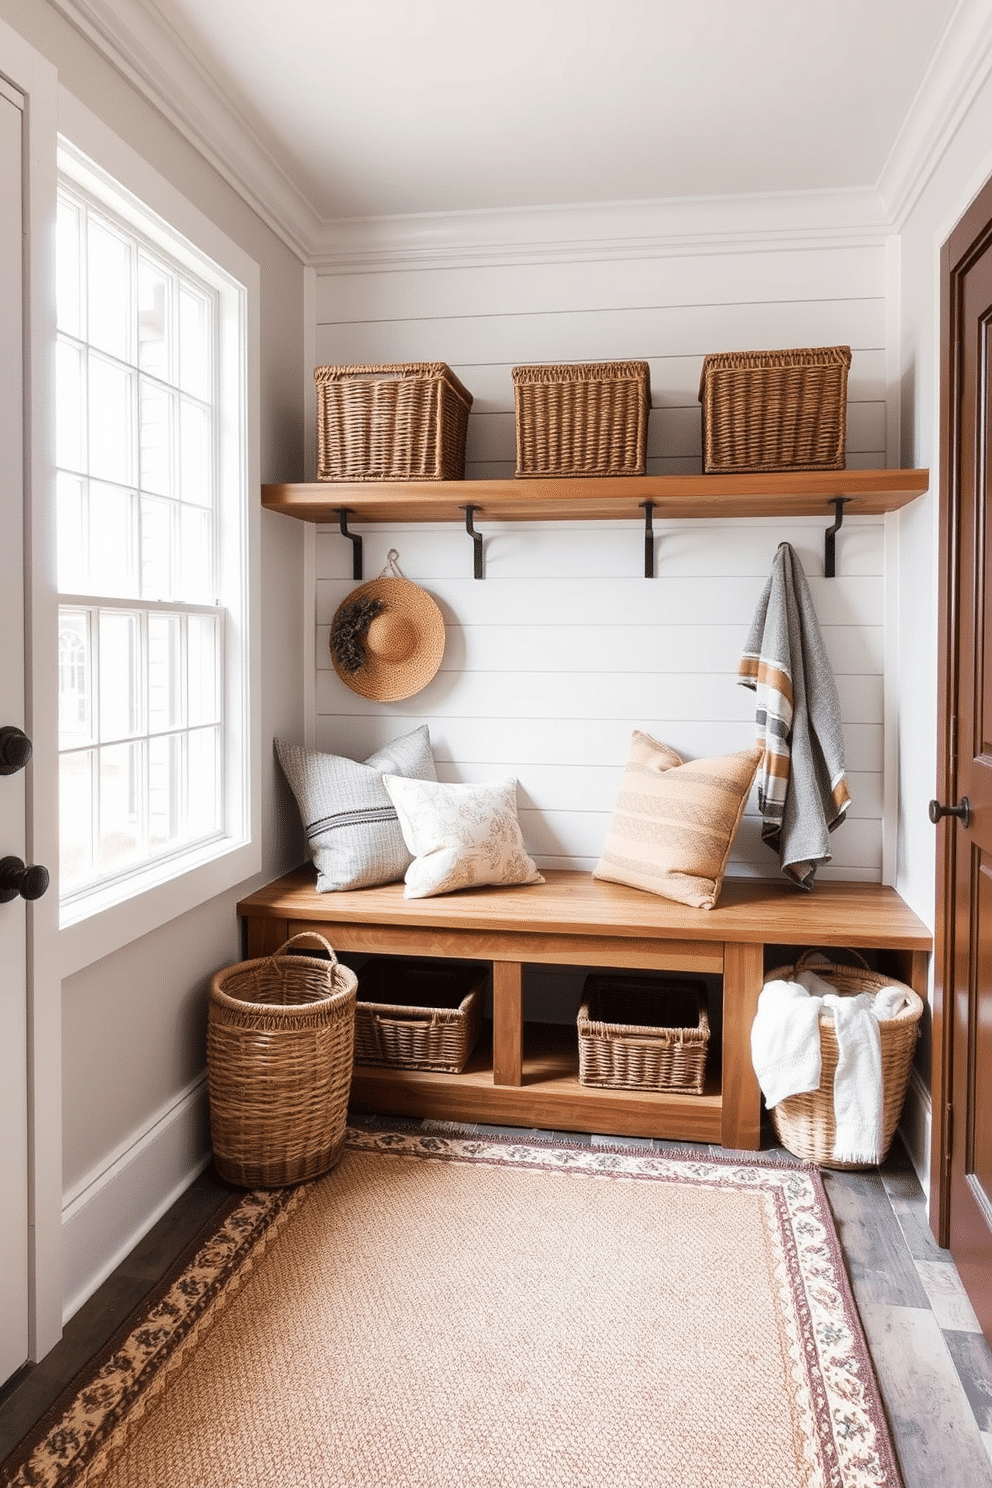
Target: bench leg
{"type": "Point", "coordinates": [742, 977]}
{"type": "Point", "coordinates": [508, 1023]}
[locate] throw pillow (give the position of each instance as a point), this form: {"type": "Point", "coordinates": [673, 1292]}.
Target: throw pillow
{"type": "Point", "coordinates": [460, 835]}
{"type": "Point", "coordinates": [352, 830]}
{"type": "Point", "coordinates": [673, 821]}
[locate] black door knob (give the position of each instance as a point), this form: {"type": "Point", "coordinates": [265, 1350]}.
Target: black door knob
{"type": "Point", "coordinates": [15, 749]}
{"type": "Point", "coordinates": [962, 811]}
{"type": "Point", "coordinates": [30, 882]}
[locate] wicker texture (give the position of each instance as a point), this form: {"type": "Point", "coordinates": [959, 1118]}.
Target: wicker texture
{"type": "Point", "coordinates": [412, 1016]}
{"type": "Point", "coordinates": [805, 1123]}
{"type": "Point", "coordinates": [620, 1044]}
{"type": "Point", "coordinates": [585, 418]}
{"type": "Point", "coordinates": [775, 410]}
{"type": "Point", "coordinates": [280, 1036]}
{"type": "Point", "coordinates": [395, 421]}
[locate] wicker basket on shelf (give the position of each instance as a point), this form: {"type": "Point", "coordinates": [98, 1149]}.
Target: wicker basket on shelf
{"type": "Point", "coordinates": [280, 1038]}
{"type": "Point", "coordinates": [416, 1016]}
{"type": "Point", "coordinates": [775, 410]}
{"type": "Point", "coordinates": [583, 418]}
{"type": "Point", "coordinates": [805, 1123]}
{"type": "Point", "coordinates": [644, 1033]}
{"type": "Point", "coordinates": [391, 422]}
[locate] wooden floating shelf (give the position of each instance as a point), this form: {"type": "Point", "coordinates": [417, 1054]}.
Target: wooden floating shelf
{"type": "Point", "coordinates": [782, 493]}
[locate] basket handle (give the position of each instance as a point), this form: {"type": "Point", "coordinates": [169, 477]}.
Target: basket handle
{"type": "Point", "coordinates": [312, 938]}
{"type": "Point", "coordinates": [816, 951]}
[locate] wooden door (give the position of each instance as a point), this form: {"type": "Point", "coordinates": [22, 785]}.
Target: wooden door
{"type": "Point", "coordinates": [13, 928]}
{"type": "Point", "coordinates": [963, 976]}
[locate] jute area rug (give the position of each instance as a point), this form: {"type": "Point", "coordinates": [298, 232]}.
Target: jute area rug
{"type": "Point", "coordinates": [446, 1312]}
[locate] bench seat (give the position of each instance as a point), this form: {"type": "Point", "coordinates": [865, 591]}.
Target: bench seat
{"type": "Point", "coordinates": [529, 1076]}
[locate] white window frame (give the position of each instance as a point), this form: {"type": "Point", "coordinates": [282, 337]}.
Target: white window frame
{"type": "Point", "coordinates": [95, 925]}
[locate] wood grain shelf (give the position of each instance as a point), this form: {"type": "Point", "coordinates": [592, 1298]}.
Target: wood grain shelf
{"type": "Point", "coordinates": [802, 493]}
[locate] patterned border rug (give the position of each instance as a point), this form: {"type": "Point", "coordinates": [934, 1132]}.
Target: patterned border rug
{"type": "Point", "coordinates": [447, 1312]}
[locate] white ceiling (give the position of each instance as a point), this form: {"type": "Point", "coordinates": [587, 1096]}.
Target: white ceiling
{"type": "Point", "coordinates": [380, 107]}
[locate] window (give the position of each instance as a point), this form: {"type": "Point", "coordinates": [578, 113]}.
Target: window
{"type": "Point", "coordinates": [151, 539]}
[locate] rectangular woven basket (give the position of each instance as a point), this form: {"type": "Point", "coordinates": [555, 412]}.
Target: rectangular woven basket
{"type": "Point", "coordinates": [775, 410]}
{"type": "Point", "coordinates": [805, 1123]}
{"type": "Point", "coordinates": [415, 1016]}
{"type": "Point", "coordinates": [644, 1033]}
{"type": "Point", "coordinates": [395, 421]}
{"type": "Point", "coordinates": [583, 418]}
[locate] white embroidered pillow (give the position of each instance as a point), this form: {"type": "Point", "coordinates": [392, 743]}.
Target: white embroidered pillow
{"type": "Point", "coordinates": [460, 835]}
{"type": "Point", "coordinates": [674, 822]}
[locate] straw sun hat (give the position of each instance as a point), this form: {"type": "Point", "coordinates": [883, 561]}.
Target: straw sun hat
{"type": "Point", "coordinates": [387, 637]}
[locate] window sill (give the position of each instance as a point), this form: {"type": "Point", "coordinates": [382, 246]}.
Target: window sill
{"type": "Point", "coordinates": [99, 928]}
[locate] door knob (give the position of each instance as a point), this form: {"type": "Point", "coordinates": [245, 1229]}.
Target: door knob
{"type": "Point", "coordinates": [15, 749]}
{"type": "Point", "coordinates": [30, 882]}
{"type": "Point", "coordinates": [962, 811]}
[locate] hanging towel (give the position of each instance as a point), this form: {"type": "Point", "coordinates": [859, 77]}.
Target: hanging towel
{"type": "Point", "coordinates": [802, 785]}
{"type": "Point", "coordinates": [857, 1080]}
{"type": "Point", "coordinates": [785, 1041]}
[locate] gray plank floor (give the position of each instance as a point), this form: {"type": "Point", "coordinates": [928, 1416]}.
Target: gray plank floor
{"type": "Point", "coordinates": [933, 1365]}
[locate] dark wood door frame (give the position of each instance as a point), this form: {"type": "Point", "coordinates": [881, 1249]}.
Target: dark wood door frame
{"type": "Point", "coordinates": [969, 239]}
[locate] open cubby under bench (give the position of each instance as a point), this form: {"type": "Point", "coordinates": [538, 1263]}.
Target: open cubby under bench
{"type": "Point", "coordinates": [528, 1076]}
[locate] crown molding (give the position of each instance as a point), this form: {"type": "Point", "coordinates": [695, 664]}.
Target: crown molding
{"type": "Point", "coordinates": [959, 69]}
{"type": "Point", "coordinates": [600, 230]}
{"type": "Point", "coordinates": [140, 45]}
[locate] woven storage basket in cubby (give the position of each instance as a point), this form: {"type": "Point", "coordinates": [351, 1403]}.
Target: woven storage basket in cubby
{"type": "Point", "coordinates": [392, 422]}
{"type": "Point", "coordinates": [583, 418]}
{"type": "Point", "coordinates": [805, 1123]}
{"type": "Point", "coordinates": [413, 1016]}
{"type": "Point", "coordinates": [775, 410]}
{"type": "Point", "coordinates": [280, 1037]}
{"type": "Point", "coordinates": [643, 1033]}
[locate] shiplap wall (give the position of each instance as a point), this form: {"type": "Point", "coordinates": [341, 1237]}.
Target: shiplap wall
{"type": "Point", "coordinates": [565, 647]}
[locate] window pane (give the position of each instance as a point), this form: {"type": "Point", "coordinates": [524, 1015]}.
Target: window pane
{"type": "Point", "coordinates": [76, 818]}
{"type": "Point", "coordinates": [109, 280]}
{"type": "Point", "coordinates": [158, 562]}
{"type": "Point", "coordinates": [197, 567]}
{"type": "Point", "coordinates": [203, 669]}
{"type": "Point", "coordinates": [121, 830]}
{"type": "Point", "coordinates": [75, 678]}
{"type": "Point", "coordinates": [73, 533]}
{"type": "Point", "coordinates": [154, 297]}
{"type": "Point", "coordinates": [195, 322]}
{"type": "Point", "coordinates": [156, 439]}
{"type": "Point", "coordinates": [164, 792]}
{"type": "Point", "coordinates": [111, 422]}
{"type": "Point", "coordinates": [70, 398]}
{"type": "Point", "coordinates": [194, 443]}
{"type": "Point", "coordinates": [205, 814]}
{"type": "Point", "coordinates": [113, 541]}
{"type": "Point", "coordinates": [68, 280]}
{"type": "Point", "coordinates": [165, 689]}
{"type": "Point", "coordinates": [120, 675]}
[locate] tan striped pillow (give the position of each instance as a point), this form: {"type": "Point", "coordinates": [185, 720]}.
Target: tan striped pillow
{"type": "Point", "coordinates": [673, 822]}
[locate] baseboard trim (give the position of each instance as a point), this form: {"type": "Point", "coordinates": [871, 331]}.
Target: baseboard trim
{"type": "Point", "coordinates": [915, 1128]}
{"type": "Point", "coordinates": [115, 1205]}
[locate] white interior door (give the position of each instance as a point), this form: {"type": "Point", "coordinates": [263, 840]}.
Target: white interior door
{"type": "Point", "coordinates": [14, 1342]}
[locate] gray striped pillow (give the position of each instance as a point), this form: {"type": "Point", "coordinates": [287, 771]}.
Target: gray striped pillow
{"type": "Point", "coordinates": [674, 822]}
{"type": "Point", "coordinates": [352, 830]}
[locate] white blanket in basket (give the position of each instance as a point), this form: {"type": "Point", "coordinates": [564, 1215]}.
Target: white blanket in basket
{"type": "Point", "coordinates": [785, 1053]}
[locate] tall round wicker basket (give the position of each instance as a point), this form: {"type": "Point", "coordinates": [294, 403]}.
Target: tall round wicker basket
{"type": "Point", "coordinates": [805, 1123]}
{"type": "Point", "coordinates": [280, 1046]}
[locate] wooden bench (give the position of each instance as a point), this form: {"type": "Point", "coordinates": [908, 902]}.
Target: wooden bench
{"type": "Point", "coordinates": [529, 1076]}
